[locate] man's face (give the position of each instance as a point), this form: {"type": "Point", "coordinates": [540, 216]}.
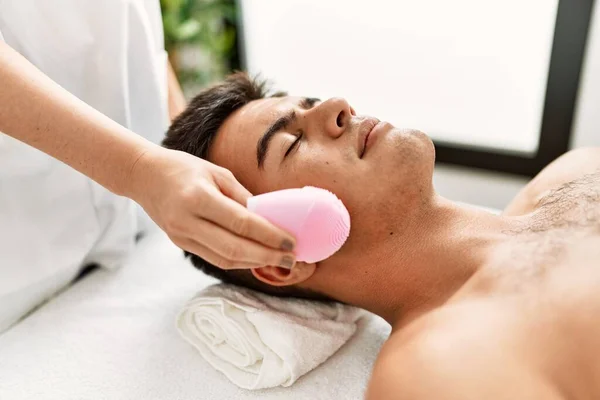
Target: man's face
{"type": "Point", "coordinates": [379, 172]}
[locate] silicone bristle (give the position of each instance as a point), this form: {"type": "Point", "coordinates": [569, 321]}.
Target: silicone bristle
{"type": "Point", "coordinates": [326, 227]}
{"type": "Point", "coordinates": [340, 233]}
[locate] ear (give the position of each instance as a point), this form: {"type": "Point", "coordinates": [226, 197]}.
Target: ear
{"type": "Point", "coordinates": [277, 276]}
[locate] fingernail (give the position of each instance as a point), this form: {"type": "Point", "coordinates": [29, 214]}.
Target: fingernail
{"type": "Point", "coordinates": [287, 245]}
{"type": "Point", "coordinates": [287, 262]}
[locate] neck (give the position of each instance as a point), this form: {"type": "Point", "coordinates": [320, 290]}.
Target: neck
{"type": "Point", "coordinates": [422, 263]}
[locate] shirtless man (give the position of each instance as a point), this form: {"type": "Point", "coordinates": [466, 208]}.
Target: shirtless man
{"type": "Point", "coordinates": [482, 306]}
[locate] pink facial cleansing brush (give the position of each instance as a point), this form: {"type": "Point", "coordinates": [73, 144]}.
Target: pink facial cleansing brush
{"type": "Point", "coordinates": [316, 217]}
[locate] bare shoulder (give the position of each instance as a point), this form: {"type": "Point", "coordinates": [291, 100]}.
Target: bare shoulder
{"type": "Point", "coordinates": [568, 167]}
{"type": "Point", "coordinates": [460, 353]}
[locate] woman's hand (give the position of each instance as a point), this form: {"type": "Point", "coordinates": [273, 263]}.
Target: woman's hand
{"type": "Point", "coordinates": [202, 208]}
{"type": "Point", "coordinates": [199, 205]}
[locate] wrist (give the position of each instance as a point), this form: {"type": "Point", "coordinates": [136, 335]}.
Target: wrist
{"type": "Point", "coordinates": [137, 176]}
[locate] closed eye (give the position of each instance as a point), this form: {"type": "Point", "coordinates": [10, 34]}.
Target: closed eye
{"type": "Point", "coordinates": [294, 145]}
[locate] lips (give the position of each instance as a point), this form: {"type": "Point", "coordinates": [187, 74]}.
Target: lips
{"type": "Point", "coordinates": [364, 131]}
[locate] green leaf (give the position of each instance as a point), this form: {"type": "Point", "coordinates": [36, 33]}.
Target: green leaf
{"type": "Point", "coordinates": [225, 42]}
{"type": "Point", "coordinates": [202, 23]}
{"type": "Point", "coordinates": [170, 5]}
{"type": "Point", "coordinates": [188, 30]}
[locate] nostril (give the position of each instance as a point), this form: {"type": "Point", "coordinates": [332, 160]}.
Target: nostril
{"type": "Point", "coordinates": [340, 119]}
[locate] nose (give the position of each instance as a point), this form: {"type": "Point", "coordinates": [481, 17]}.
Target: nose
{"type": "Point", "coordinates": [336, 114]}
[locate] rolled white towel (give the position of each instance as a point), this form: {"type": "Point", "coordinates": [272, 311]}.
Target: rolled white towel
{"type": "Point", "coordinates": [260, 341]}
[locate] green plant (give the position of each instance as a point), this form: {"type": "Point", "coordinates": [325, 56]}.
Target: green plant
{"type": "Point", "coordinates": [200, 38]}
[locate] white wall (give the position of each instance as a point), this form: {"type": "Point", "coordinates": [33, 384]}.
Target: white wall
{"type": "Point", "coordinates": [496, 190]}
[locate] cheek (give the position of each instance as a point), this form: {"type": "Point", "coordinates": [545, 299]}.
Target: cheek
{"type": "Point", "coordinates": [325, 168]}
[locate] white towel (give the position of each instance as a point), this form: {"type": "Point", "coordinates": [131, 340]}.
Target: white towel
{"type": "Point", "coordinates": [259, 341]}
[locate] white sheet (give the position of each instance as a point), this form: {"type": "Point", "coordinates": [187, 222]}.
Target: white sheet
{"type": "Point", "coordinates": [113, 336]}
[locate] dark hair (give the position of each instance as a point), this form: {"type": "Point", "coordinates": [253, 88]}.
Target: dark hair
{"type": "Point", "coordinates": [194, 130]}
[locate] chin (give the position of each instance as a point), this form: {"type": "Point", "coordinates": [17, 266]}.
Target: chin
{"type": "Point", "coordinates": [418, 136]}
{"type": "Point", "coordinates": [412, 157]}
{"type": "Point", "coordinates": [429, 147]}
{"type": "Point", "coordinates": [413, 144]}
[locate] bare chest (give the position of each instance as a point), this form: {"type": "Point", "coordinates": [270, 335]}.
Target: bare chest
{"type": "Point", "coordinates": [550, 271]}
{"type": "Point", "coordinates": [561, 236]}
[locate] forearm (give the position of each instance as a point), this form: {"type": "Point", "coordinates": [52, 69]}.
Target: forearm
{"type": "Point", "coordinates": [37, 111]}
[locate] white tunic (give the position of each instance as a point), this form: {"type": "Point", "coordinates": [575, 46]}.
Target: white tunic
{"type": "Point", "coordinates": [54, 220]}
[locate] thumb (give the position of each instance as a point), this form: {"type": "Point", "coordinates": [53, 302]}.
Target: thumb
{"type": "Point", "coordinates": [231, 188]}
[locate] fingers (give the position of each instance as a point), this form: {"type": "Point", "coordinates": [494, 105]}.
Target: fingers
{"type": "Point", "coordinates": [233, 250]}
{"type": "Point", "coordinates": [231, 188]}
{"type": "Point", "coordinates": [212, 257]}
{"type": "Point", "coordinates": [234, 217]}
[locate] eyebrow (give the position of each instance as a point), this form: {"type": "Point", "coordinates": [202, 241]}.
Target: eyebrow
{"type": "Point", "coordinates": [281, 123]}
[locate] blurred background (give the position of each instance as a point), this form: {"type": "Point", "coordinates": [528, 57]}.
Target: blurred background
{"type": "Point", "coordinates": [200, 38]}
{"type": "Point", "coordinates": [503, 87]}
